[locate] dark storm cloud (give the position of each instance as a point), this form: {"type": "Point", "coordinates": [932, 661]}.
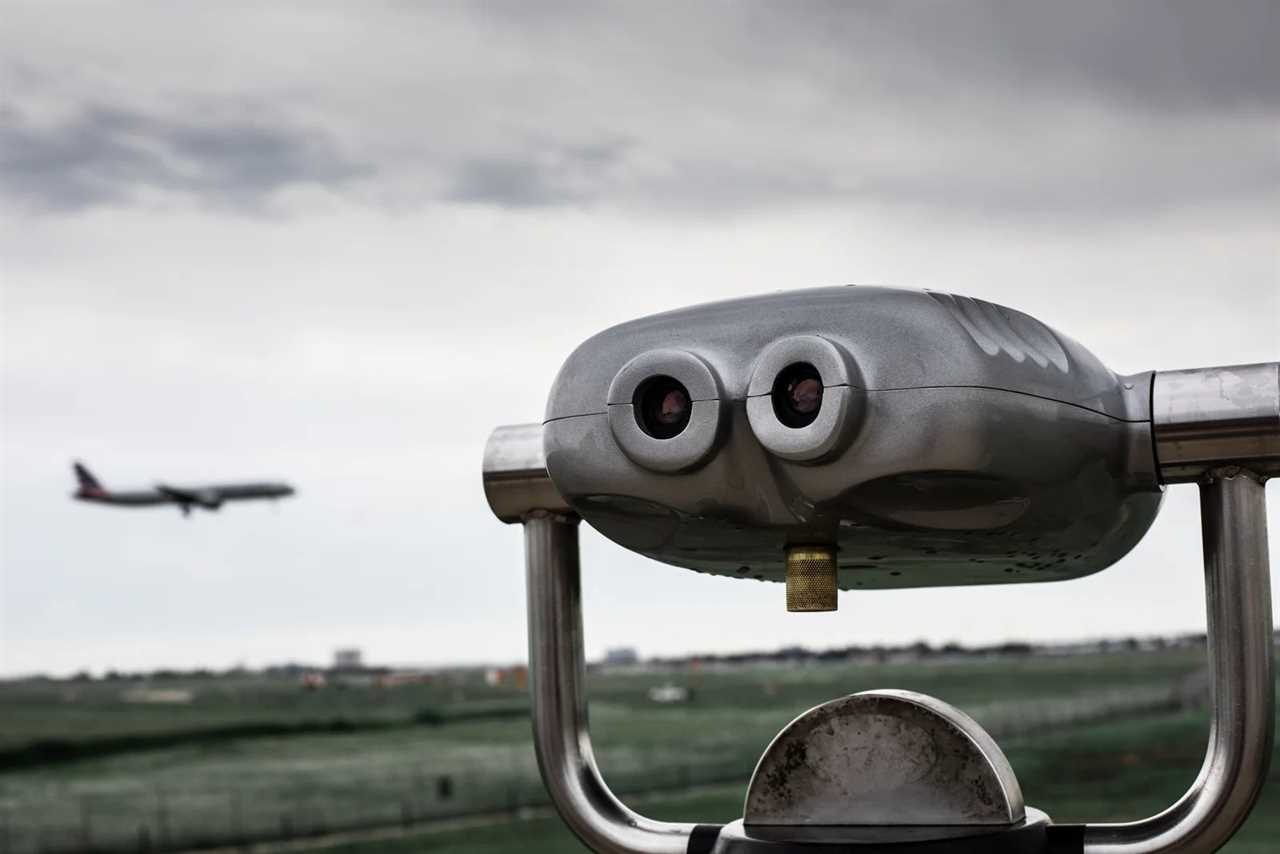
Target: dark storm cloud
{"type": "Point", "coordinates": [104, 155]}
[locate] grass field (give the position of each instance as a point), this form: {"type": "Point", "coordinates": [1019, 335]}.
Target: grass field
{"type": "Point", "coordinates": [85, 711]}
{"type": "Point", "coordinates": [1089, 736]}
{"type": "Point", "coordinates": [1097, 772]}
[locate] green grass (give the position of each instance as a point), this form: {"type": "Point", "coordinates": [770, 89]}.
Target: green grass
{"type": "Point", "coordinates": [1104, 772]}
{"type": "Point", "coordinates": [84, 711]}
{"type": "Point", "coordinates": [195, 789]}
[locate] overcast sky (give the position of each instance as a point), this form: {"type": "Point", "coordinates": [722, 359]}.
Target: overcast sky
{"type": "Point", "coordinates": [338, 244]}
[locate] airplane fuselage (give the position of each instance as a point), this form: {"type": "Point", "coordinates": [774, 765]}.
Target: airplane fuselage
{"type": "Point", "coordinates": [211, 494]}
{"type": "Point", "coordinates": [209, 497]}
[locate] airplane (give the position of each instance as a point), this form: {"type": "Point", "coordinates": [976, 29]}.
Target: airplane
{"type": "Point", "coordinates": [209, 497]}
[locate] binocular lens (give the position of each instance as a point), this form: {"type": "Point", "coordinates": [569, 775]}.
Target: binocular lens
{"type": "Point", "coordinates": [797, 395]}
{"type": "Point", "coordinates": [662, 407]}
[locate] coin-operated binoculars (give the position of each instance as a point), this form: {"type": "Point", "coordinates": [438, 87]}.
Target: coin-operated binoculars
{"type": "Point", "coordinates": [864, 438]}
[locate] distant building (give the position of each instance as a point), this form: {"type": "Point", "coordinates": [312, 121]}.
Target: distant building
{"type": "Point", "coordinates": [621, 656]}
{"type": "Point", "coordinates": [349, 658]}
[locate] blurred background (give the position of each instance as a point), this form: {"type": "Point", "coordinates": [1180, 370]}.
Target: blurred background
{"type": "Point", "coordinates": [335, 245]}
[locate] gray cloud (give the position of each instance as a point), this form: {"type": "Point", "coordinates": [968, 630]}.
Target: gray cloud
{"type": "Point", "coordinates": [1108, 189]}
{"type": "Point", "coordinates": [999, 108]}
{"type": "Point", "coordinates": [104, 155]}
{"type": "Point", "coordinates": [539, 175]}
{"type": "Point", "coordinates": [1152, 54]}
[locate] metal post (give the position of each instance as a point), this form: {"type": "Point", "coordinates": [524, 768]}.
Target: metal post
{"type": "Point", "coordinates": [557, 676]}
{"type": "Point", "coordinates": [1238, 598]}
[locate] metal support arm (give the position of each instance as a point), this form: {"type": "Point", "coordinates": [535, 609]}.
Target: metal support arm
{"type": "Point", "coordinates": [1238, 598]}
{"type": "Point", "coordinates": [557, 682]}
{"type": "Point", "coordinates": [518, 489]}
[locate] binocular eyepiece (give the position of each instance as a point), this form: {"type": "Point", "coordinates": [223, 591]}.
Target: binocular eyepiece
{"type": "Point", "coordinates": [915, 438]}
{"type": "Point", "coordinates": [662, 405]}
{"type": "Point", "coordinates": [797, 395]}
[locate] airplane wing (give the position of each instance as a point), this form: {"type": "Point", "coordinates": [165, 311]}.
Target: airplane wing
{"type": "Point", "coordinates": [210, 499]}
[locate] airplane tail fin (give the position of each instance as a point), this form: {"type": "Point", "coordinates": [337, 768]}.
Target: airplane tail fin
{"type": "Point", "coordinates": [89, 484]}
